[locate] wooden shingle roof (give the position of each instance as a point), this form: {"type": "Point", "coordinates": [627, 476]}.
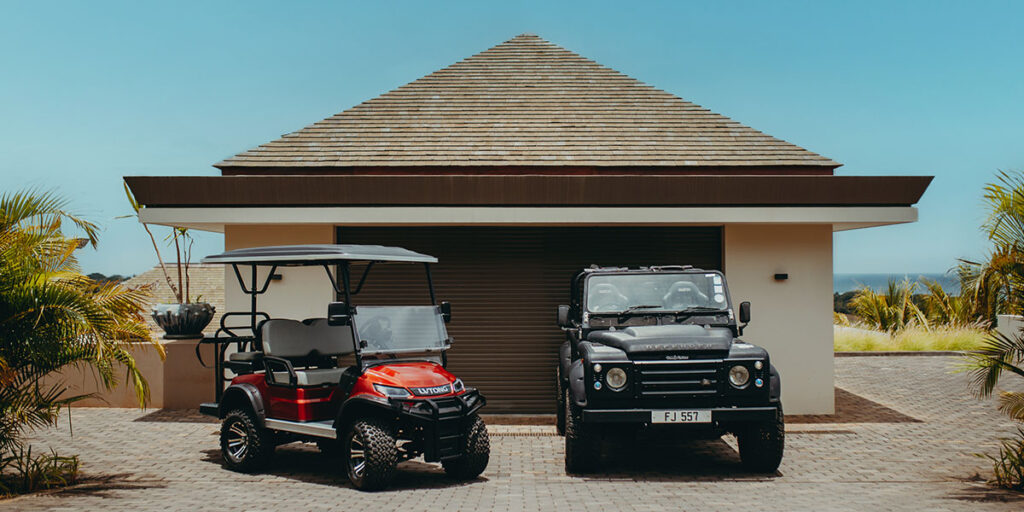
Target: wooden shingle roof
{"type": "Point", "coordinates": [527, 102]}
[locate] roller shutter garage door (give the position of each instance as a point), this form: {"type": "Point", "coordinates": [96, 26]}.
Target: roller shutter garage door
{"type": "Point", "coordinates": [504, 284]}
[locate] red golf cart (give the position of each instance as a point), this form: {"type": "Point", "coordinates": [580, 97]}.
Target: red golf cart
{"type": "Point", "coordinates": [365, 382]}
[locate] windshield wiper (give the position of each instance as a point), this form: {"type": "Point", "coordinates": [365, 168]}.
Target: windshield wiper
{"type": "Point", "coordinates": [633, 309]}
{"type": "Point", "coordinates": [699, 309]}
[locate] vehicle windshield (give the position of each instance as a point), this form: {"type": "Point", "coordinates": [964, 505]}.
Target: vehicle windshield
{"type": "Point", "coordinates": [400, 329]}
{"type": "Point", "coordinates": [656, 292]}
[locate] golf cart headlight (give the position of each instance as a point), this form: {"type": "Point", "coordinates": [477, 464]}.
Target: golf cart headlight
{"type": "Point", "coordinates": [391, 391]}
{"type": "Point", "coordinates": [739, 375]}
{"type": "Point", "coordinates": [458, 386]}
{"type": "Point", "coordinates": [616, 378]}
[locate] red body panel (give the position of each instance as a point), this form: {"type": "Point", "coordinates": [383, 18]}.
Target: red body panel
{"type": "Point", "coordinates": [323, 402]}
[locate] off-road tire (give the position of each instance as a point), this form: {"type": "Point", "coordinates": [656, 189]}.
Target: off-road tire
{"type": "Point", "coordinates": [761, 445]}
{"type": "Point", "coordinates": [560, 398]}
{"type": "Point", "coordinates": [582, 445]}
{"type": "Point", "coordinates": [477, 455]}
{"type": "Point", "coordinates": [257, 446]}
{"type": "Point", "coordinates": [379, 455]}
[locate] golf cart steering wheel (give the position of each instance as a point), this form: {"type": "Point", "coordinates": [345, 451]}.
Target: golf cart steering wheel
{"type": "Point", "coordinates": [377, 333]}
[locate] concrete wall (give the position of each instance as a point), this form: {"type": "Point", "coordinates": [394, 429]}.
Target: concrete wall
{"type": "Point", "coordinates": [316, 290]}
{"type": "Point", "coordinates": [178, 382]}
{"type": "Point", "coordinates": [792, 319]}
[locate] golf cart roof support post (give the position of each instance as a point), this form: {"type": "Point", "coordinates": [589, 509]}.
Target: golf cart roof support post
{"type": "Point", "coordinates": [430, 284]}
{"type": "Point", "coordinates": [362, 280]}
{"type": "Point", "coordinates": [351, 324]}
{"type": "Point", "coordinates": [252, 291]}
{"type": "Point", "coordinates": [332, 279]}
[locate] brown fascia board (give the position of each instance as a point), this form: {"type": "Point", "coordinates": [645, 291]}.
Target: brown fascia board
{"type": "Point", "coordinates": [526, 190]}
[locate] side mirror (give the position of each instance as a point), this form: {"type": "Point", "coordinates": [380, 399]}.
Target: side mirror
{"type": "Point", "coordinates": [338, 313]}
{"type": "Point", "coordinates": [446, 311]}
{"type": "Point", "coordinates": [563, 316]}
{"type": "Point", "coordinates": [745, 312]}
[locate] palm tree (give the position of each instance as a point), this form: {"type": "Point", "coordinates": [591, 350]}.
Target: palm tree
{"type": "Point", "coordinates": [891, 311]}
{"type": "Point", "coordinates": [997, 286]}
{"type": "Point", "coordinates": [53, 317]}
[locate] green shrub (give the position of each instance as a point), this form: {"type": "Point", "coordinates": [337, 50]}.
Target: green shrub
{"type": "Point", "coordinates": [21, 472]}
{"type": "Point", "coordinates": [910, 339]}
{"type": "Point", "coordinates": [1008, 464]}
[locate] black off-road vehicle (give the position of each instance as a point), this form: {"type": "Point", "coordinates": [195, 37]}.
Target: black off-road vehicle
{"type": "Point", "coordinates": [658, 348]}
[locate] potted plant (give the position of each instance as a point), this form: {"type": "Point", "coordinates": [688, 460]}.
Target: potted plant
{"type": "Point", "coordinates": [187, 318]}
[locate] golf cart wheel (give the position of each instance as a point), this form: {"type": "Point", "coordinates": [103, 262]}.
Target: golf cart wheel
{"type": "Point", "coordinates": [370, 454]}
{"type": "Point", "coordinates": [478, 453]}
{"type": "Point", "coordinates": [761, 445]}
{"type": "Point", "coordinates": [582, 446]}
{"type": "Point", "coordinates": [244, 445]}
{"type": "Point", "coordinates": [560, 398]}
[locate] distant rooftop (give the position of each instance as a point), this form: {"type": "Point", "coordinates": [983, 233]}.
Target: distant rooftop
{"type": "Point", "coordinates": [527, 102]}
{"type": "Point", "coordinates": [207, 282]}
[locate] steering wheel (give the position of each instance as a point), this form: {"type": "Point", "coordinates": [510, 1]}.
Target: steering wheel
{"type": "Point", "coordinates": [608, 307]}
{"type": "Point", "coordinates": [377, 333]}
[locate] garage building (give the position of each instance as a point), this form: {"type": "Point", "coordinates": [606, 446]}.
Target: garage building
{"type": "Point", "coordinates": [519, 166]}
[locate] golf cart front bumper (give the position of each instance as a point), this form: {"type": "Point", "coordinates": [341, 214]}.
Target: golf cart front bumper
{"type": "Point", "coordinates": [445, 421]}
{"type": "Point", "coordinates": [719, 416]}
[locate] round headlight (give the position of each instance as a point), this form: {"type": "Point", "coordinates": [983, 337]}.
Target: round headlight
{"type": "Point", "coordinates": [739, 375]}
{"type": "Point", "coordinates": [616, 378]}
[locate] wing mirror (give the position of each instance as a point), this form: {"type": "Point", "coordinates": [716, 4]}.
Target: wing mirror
{"type": "Point", "coordinates": [446, 311]}
{"type": "Point", "coordinates": [563, 316]}
{"type": "Point", "coordinates": [744, 315]}
{"type": "Point", "coordinates": [338, 313]}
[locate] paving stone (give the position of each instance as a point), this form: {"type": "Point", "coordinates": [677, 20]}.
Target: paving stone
{"type": "Point", "coordinates": [910, 448]}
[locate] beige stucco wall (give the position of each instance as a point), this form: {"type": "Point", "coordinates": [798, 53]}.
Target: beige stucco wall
{"type": "Point", "coordinates": [316, 290]}
{"type": "Point", "coordinates": [178, 382]}
{"type": "Point", "coordinates": [792, 319]}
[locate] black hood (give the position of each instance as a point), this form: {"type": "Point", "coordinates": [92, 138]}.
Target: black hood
{"type": "Point", "coordinates": [691, 340]}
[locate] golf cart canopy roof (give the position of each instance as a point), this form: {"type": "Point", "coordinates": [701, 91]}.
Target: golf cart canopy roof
{"type": "Point", "coordinates": [317, 254]}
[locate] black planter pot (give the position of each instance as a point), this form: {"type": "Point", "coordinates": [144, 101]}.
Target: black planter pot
{"type": "Point", "coordinates": [181, 321]}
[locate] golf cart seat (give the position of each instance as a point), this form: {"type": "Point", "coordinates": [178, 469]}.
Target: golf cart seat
{"type": "Point", "coordinates": [287, 343]}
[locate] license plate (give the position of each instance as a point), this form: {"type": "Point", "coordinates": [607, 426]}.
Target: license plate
{"type": "Point", "coordinates": [680, 416]}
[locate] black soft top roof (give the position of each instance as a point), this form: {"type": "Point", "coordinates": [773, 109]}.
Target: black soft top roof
{"type": "Point", "coordinates": [317, 254]}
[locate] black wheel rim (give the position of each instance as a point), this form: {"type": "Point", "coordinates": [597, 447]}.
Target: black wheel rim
{"type": "Point", "coordinates": [236, 441]}
{"type": "Point", "coordinates": [356, 457]}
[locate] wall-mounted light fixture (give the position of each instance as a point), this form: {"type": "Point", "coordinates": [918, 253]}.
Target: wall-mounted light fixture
{"type": "Point", "coordinates": [781, 277]}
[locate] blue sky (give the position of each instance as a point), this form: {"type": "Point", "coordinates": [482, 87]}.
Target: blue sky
{"type": "Point", "coordinates": [92, 91]}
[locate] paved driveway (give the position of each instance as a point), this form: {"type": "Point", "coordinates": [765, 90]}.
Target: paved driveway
{"type": "Point", "coordinates": [904, 442]}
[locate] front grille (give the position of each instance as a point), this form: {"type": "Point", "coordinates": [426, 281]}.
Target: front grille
{"type": "Point", "coordinates": [677, 378]}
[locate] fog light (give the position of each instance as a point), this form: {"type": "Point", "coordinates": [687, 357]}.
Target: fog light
{"type": "Point", "coordinates": [758, 382]}
{"type": "Point", "coordinates": [597, 385]}
{"type": "Point", "coordinates": [597, 368]}
{"type": "Point", "coordinates": [739, 376]}
{"type": "Point", "coordinates": [758, 365]}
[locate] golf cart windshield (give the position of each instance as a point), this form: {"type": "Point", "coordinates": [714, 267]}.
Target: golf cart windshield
{"type": "Point", "coordinates": [400, 329]}
{"type": "Point", "coordinates": [656, 292]}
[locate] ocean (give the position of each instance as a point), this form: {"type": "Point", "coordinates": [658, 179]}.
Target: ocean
{"type": "Point", "coordinates": [842, 283]}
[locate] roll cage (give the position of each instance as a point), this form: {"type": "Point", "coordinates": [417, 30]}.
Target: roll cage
{"type": "Point", "coordinates": [339, 256]}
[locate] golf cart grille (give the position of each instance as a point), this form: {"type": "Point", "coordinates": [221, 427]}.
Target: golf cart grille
{"type": "Point", "coordinates": [450, 427]}
{"type": "Point", "coordinates": [677, 378]}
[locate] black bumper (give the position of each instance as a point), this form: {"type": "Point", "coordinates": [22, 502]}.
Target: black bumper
{"type": "Point", "coordinates": [719, 415]}
{"type": "Point", "coordinates": [445, 421]}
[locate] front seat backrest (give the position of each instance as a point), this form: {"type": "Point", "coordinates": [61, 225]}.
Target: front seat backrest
{"type": "Point", "coordinates": [288, 338]}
